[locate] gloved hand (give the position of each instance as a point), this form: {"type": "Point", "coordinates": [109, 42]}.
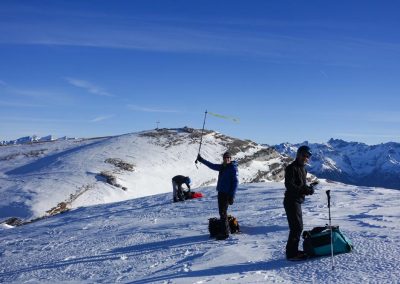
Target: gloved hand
{"type": "Point", "coordinates": [231, 200]}
{"type": "Point", "coordinates": [312, 187]}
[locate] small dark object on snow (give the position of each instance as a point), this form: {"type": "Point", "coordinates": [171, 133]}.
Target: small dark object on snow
{"type": "Point", "coordinates": [14, 221]}
{"type": "Point", "coordinates": [301, 255]}
{"type": "Point", "coordinates": [233, 224]}
{"type": "Point", "coordinates": [216, 227]}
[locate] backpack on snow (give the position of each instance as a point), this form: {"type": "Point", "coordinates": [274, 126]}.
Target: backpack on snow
{"type": "Point", "coordinates": [317, 242]}
{"type": "Point", "coordinates": [233, 224]}
{"type": "Point", "coordinates": [217, 227]}
{"type": "Point", "coordinates": [195, 195]}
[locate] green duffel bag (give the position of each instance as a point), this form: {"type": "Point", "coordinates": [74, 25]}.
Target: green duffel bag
{"type": "Point", "coordinates": [317, 242]}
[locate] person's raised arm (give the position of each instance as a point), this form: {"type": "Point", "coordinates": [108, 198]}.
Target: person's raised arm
{"type": "Point", "coordinates": [215, 167]}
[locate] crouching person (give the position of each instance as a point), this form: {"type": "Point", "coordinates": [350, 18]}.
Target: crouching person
{"type": "Point", "coordinates": [226, 186]}
{"type": "Point", "coordinates": [178, 194]}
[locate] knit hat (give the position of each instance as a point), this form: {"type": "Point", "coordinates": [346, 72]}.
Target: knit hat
{"type": "Point", "coordinates": [304, 150]}
{"type": "Point", "coordinates": [227, 154]}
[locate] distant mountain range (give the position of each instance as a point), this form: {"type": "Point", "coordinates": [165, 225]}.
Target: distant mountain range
{"type": "Point", "coordinates": [352, 162]}
{"type": "Point", "coordinates": [32, 139]}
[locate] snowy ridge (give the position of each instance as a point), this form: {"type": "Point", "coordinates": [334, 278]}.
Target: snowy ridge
{"type": "Point", "coordinates": [43, 178]}
{"type": "Point", "coordinates": [151, 240]}
{"type": "Point", "coordinates": [353, 162]}
{"type": "Point", "coordinates": [33, 139]}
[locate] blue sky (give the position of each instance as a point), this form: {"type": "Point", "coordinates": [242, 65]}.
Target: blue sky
{"type": "Point", "coordinates": [289, 70]}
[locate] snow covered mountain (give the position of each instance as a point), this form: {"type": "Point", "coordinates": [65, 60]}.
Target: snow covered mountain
{"type": "Point", "coordinates": [45, 178]}
{"type": "Point", "coordinates": [152, 240]}
{"type": "Point", "coordinates": [32, 139]}
{"type": "Point", "coordinates": [145, 238]}
{"type": "Point", "coordinates": [352, 162]}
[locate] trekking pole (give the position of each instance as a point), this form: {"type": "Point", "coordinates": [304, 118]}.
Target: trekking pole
{"type": "Point", "coordinates": [330, 226]}
{"type": "Point", "coordinates": [201, 137]}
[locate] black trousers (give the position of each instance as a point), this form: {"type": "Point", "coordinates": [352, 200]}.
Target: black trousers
{"type": "Point", "coordinates": [295, 220]}
{"type": "Point", "coordinates": [223, 204]}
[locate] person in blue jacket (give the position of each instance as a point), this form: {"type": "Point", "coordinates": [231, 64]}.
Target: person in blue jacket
{"type": "Point", "coordinates": [226, 186]}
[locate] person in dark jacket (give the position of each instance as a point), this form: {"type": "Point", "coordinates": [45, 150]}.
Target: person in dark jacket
{"type": "Point", "coordinates": [296, 190]}
{"type": "Point", "coordinates": [178, 193]}
{"type": "Point", "coordinates": [227, 184]}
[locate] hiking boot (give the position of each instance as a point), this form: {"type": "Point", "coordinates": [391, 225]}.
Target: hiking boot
{"type": "Point", "coordinates": [221, 237]}
{"type": "Point", "coordinates": [298, 257]}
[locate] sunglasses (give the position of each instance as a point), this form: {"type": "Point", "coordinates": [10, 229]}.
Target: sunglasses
{"type": "Point", "coordinates": [227, 157]}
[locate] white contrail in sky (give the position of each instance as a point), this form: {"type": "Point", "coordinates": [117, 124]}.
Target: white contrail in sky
{"type": "Point", "coordinates": [101, 118]}
{"type": "Point", "coordinates": [88, 86]}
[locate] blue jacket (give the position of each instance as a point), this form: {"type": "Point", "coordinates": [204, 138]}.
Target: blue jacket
{"type": "Point", "coordinates": [228, 179]}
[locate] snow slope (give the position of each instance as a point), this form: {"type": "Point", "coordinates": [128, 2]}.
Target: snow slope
{"type": "Point", "coordinates": [38, 177]}
{"type": "Point", "coordinates": [353, 162]}
{"type": "Point", "coordinates": [151, 240]}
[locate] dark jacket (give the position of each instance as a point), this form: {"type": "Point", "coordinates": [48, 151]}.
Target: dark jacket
{"type": "Point", "coordinates": [295, 183]}
{"type": "Point", "coordinates": [179, 180]}
{"type": "Point", "coordinates": [228, 179]}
